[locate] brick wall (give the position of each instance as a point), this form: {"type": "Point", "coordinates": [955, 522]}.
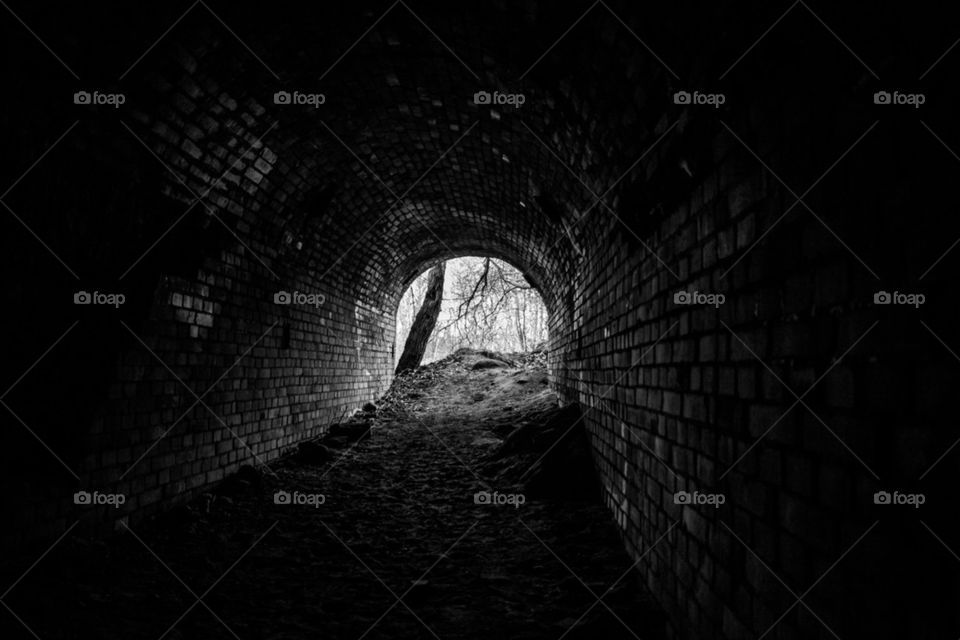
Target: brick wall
{"type": "Point", "coordinates": [697, 398]}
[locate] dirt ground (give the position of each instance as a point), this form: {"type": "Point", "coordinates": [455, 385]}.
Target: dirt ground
{"type": "Point", "coordinates": [382, 537]}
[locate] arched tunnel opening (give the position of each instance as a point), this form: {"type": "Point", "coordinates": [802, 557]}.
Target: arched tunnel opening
{"type": "Point", "coordinates": [738, 217]}
{"type": "Point", "coordinates": [484, 303]}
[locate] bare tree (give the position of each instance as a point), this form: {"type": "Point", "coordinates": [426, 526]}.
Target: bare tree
{"type": "Point", "coordinates": [488, 305]}
{"type": "Point", "coordinates": [495, 307]}
{"type": "Point", "coordinates": [425, 321]}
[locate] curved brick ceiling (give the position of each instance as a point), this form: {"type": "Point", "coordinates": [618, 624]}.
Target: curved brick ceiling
{"type": "Point", "coordinates": [399, 167]}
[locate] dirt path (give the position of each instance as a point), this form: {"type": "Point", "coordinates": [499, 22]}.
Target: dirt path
{"type": "Point", "coordinates": [398, 519]}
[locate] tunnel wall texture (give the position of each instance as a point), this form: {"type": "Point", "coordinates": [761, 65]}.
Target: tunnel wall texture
{"type": "Point", "coordinates": [399, 169]}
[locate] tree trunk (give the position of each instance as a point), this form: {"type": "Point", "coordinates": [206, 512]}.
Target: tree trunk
{"type": "Point", "coordinates": [425, 321]}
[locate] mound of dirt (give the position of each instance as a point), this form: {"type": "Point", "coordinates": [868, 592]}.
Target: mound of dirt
{"type": "Point", "coordinates": [448, 382]}
{"type": "Point", "coordinates": [533, 444]}
{"type": "Point", "coordinates": [536, 446]}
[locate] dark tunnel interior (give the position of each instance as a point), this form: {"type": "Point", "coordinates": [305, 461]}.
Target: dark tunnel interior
{"type": "Point", "coordinates": [741, 218]}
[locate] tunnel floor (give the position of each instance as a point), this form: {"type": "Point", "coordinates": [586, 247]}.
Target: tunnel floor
{"type": "Point", "coordinates": [398, 548]}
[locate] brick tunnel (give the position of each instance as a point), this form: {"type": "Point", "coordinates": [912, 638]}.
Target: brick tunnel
{"type": "Point", "coordinates": [741, 221]}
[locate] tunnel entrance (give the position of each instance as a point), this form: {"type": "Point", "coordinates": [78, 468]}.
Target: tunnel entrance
{"type": "Point", "coordinates": [488, 304]}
